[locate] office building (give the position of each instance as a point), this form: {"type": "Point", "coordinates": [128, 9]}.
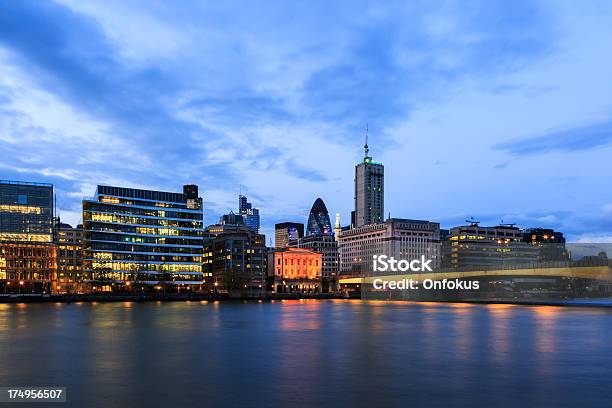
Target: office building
{"type": "Point", "coordinates": [327, 247]}
{"type": "Point", "coordinates": [250, 214]}
{"type": "Point", "coordinates": [69, 244]}
{"type": "Point", "coordinates": [369, 192]}
{"type": "Point", "coordinates": [143, 239]}
{"type": "Point", "coordinates": [397, 237]}
{"type": "Point", "coordinates": [27, 253]}
{"type": "Point", "coordinates": [292, 270]}
{"type": "Point", "coordinates": [232, 219]}
{"type": "Point", "coordinates": [320, 239]}
{"type": "Point", "coordinates": [551, 244]}
{"type": "Point", "coordinates": [318, 220]}
{"type": "Point", "coordinates": [287, 234]}
{"type": "Point", "coordinates": [473, 246]}
{"type": "Point", "coordinates": [235, 258]}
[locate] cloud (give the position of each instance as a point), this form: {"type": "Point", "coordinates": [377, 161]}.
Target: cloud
{"type": "Point", "coordinates": [567, 140]}
{"type": "Point", "coordinates": [275, 97]}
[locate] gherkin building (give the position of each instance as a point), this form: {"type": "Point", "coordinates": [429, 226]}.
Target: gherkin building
{"type": "Point", "coordinates": [318, 220]}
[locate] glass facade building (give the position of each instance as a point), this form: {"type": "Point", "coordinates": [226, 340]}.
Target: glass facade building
{"type": "Point", "coordinates": [27, 254]}
{"type": "Point", "coordinates": [250, 214]}
{"type": "Point", "coordinates": [318, 220]}
{"type": "Point", "coordinates": [143, 236]}
{"type": "Point", "coordinates": [26, 211]}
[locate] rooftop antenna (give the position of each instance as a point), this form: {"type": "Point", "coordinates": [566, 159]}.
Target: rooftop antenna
{"type": "Point", "coordinates": [472, 222]}
{"type": "Point", "coordinates": [367, 149]}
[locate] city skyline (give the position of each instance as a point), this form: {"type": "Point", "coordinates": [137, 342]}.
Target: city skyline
{"type": "Point", "coordinates": [469, 108]}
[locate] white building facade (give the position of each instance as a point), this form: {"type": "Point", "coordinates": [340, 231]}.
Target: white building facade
{"type": "Point", "coordinates": [397, 237]}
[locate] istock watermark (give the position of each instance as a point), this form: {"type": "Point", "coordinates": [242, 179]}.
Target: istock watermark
{"type": "Point", "coordinates": [427, 284]}
{"type": "Point", "coordinates": [384, 263]}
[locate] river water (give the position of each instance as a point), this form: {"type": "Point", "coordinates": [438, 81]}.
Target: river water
{"type": "Point", "coordinates": [312, 352]}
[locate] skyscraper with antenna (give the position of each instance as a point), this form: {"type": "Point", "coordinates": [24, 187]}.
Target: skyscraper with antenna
{"type": "Point", "coordinates": [369, 190]}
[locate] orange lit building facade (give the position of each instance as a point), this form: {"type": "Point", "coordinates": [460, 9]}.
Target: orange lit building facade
{"type": "Point", "coordinates": [294, 270]}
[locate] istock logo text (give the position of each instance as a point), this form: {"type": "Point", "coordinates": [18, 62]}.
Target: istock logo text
{"type": "Point", "coordinates": [384, 263]}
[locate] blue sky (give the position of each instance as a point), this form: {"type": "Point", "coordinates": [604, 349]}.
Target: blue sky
{"type": "Point", "coordinates": [496, 110]}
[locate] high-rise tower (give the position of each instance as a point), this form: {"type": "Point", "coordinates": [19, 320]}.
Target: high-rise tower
{"type": "Point", "coordinates": [318, 220]}
{"type": "Point", "coordinates": [369, 190]}
{"type": "Point", "coordinates": [250, 214]}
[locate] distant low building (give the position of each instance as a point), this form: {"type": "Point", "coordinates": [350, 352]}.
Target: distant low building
{"type": "Point", "coordinates": [292, 270]}
{"type": "Point", "coordinates": [473, 246]}
{"type": "Point", "coordinates": [232, 219]}
{"type": "Point", "coordinates": [551, 244]}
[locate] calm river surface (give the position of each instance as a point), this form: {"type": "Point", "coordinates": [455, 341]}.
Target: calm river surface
{"type": "Point", "coordinates": [305, 353]}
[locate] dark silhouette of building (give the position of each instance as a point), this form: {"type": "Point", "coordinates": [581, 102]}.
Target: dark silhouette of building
{"type": "Point", "coordinates": [235, 258]}
{"type": "Point", "coordinates": [551, 243]}
{"type": "Point", "coordinates": [232, 219]}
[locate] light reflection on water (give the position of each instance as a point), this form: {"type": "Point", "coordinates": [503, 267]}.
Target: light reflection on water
{"type": "Point", "coordinates": [310, 352]}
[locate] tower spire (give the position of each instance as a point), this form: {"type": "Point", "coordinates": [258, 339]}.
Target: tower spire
{"type": "Point", "coordinates": [365, 146]}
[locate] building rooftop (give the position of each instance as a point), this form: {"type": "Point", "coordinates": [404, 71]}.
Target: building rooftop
{"type": "Point", "coordinates": [26, 183]}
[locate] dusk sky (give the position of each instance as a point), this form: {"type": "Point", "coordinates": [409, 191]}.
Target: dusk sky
{"type": "Point", "coordinates": [496, 110]}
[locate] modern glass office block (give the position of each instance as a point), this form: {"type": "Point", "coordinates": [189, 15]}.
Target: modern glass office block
{"type": "Point", "coordinates": [143, 237]}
